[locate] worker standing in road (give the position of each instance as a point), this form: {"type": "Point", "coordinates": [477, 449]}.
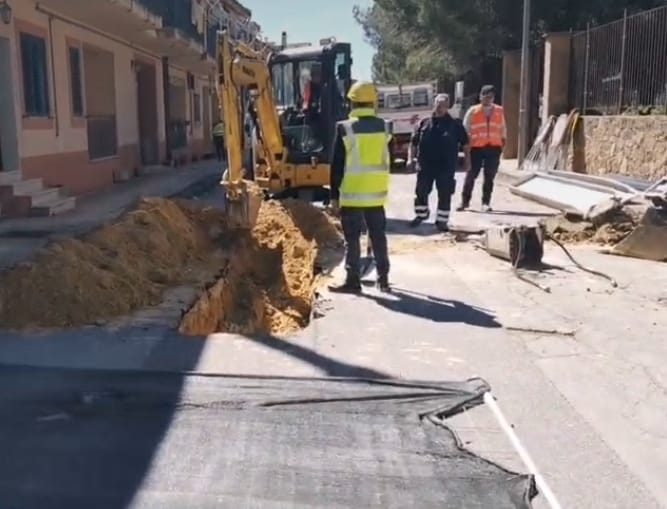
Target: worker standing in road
{"type": "Point", "coordinates": [360, 185]}
{"type": "Point", "coordinates": [485, 123]}
{"type": "Point", "coordinates": [436, 142]}
{"type": "Point", "coordinates": [219, 140]}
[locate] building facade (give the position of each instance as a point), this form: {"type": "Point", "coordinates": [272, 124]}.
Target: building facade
{"type": "Point", "coordinates": [91, 91]}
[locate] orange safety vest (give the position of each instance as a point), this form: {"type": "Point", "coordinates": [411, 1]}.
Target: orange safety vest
{"type": "Point", "coordinates": [484, 131]}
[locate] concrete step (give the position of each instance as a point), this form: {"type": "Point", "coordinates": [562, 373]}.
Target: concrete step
{"type": "Point", "coordinates": [9, 177]}
{"type": "Point", "coordinates": [45, 196]}
{"type": "Point", "coordinates": [55, 207]}
{"type": "Point", "coordinates": [26, 187]}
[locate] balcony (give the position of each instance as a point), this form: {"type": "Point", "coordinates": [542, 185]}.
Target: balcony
{"type": "Point", "coordinates": [121, 18]}
{"type": "Point", "coordinates": [163, 27]}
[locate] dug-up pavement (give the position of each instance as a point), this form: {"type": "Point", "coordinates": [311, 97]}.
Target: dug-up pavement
{"type": "Point", "coordinates": [579, 372]}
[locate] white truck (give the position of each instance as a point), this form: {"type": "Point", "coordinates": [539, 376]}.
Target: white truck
{"type": "Point", "coordinates": [404, 106]}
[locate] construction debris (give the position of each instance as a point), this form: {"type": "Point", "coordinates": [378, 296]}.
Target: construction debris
{"type": "Point", "coordinates": [128, 265]}
{"type": "Point", "coordinates": [607, 230]}
{"type": "Point", "coordinates": [520, 245]}
{"type": "Point", "coordinates": [585, 196]}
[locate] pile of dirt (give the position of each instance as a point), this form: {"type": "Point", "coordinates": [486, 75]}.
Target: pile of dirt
{"type": "Point", "coordinates": [128, 265]}
{"type": "Point", "coordinates": [608, 231]}
{"type": "Point", "coordinates": [269, 283]}
{"type": "Point", "coordinates": [115, 270]}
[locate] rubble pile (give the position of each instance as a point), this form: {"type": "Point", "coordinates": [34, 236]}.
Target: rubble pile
{"type": "Point", "coordinates": [607, 231]}
{"type": "Point", "coordinates": [128, 265]}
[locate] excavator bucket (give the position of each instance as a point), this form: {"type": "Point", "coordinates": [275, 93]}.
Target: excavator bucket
{"type": "Point", "coordinates": [242, 202]}
{"type": "Point", "coordinates": [648, 240]}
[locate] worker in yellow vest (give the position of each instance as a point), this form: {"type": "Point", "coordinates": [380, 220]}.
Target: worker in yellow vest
{"type": "Point", "coordinates": [360, 185]}
{"type": "Point", "coordinates": [485, 123]}
{"type": "Point", "coordinates": [219, 140]}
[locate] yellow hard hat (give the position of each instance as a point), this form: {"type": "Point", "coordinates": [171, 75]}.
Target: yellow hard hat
{"type": "Point", "coordinates": [363, 92]}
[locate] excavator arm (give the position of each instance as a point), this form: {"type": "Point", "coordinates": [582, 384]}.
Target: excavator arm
{"type": "Point", "coordinates": [241, 68]}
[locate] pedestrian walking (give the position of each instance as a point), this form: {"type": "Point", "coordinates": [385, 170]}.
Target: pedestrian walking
{"type": "Point", "coordinates": [485, 124]}
{"type": "Point", "coordinates": [434, 148]}
{"type": "Point", "coordinates": [360, 185]}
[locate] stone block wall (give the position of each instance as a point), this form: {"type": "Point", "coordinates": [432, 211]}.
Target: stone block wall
{"type": "Point", "coordinates": [628, 145]}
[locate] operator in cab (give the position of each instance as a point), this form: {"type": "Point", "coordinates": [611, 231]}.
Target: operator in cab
{"type": "Point", "coordinates": [313, 89]}
{"type": "Point", "coordinates": [434, 148]}
{"type": "Point", "coordinates": [360, 185]}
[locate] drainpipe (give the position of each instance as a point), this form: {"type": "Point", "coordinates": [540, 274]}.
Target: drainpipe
{"type": "Point", "coordinates": [53, 78]}
{"type": "Point", "coordinates": [167, 106]}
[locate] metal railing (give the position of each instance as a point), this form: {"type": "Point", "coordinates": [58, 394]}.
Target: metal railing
{"type": "Point", "coordinates": [621, 67]}
{"type": "Point", "coordinates": [102, 136]}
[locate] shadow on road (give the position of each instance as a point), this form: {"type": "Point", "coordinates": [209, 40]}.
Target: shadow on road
{"type": "Point", "coordinates": [434, 308]}
{"type": "Point", "coordinates": [397, 226]}
{"type": "Point", "coordinates": [329, 366]}
{"type": "Point", "coordinates": [512, 213]}
{"type": "Point", "coordinates": [80, 438]}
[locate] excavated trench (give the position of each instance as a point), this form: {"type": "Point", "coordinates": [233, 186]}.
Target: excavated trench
{"type": "Point", "coordinates": [263, 289]}
{"type": "Point", "coordinates": [261, 282]}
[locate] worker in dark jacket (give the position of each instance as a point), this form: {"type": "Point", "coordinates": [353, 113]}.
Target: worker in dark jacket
{"type": "Point", "coordinates": [360, 185]}
{"type": "Point", "coordinates": [436, 143]}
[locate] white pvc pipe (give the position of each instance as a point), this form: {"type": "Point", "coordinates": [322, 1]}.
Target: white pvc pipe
{"type": "Point", "coordinates": [541, 483]}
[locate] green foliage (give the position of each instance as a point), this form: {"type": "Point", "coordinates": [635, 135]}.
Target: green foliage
{"type": "Point", "coordinates": [442, 39]}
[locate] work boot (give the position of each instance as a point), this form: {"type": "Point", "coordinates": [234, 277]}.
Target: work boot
{"type": "Point", "coordinates": [462, 207]}
{"type": "Point", "coordinates": [382, 284]}
{"type": "Point", "coordinates": [416, 222]}
{"type": "Point", "coordinates": [351, 285]}
{"type": "Point", "coordinates": [442, 226]}
{"type": "Point", "coordinates": [486, 207]}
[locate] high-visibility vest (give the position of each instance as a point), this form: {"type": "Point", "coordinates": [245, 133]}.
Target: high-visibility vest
{"type": "Point", "coordinates": [366, 178]}
{"type": "Point", "coordinates": [487, 131]}
{"type": "Point", "coordinates": [219, 129]}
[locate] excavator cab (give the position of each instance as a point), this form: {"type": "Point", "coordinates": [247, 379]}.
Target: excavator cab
{"type": "Point", "coordinates": [280, 109]}
{"type": "Point", "coordinates": [310, 85]}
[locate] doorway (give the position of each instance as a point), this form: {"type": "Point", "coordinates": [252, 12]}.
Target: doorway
{"type": "Point", "coordinates": [9, 150]}
{"type": "Point", "coordinates": [147, 113]}
{"type": "Point", "coordinates": [206, 120]}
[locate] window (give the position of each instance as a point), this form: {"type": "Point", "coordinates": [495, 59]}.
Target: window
{"type": "Point", "coordinates": [197, 107]}
{"type": "Point", "coordinates": [420, 97]}
{"type": "Point", "coordinates": [283, 84]}
{"type": "Point", "coordinates": [76, 81]}
{"type": "Point", "coordinates": [406, 100]}
{"type": "Point", "coordinates": [380, 100]}
{"type": "Point", "coordinates": [393, 101]}
{"type": "Point", "coordinates": [35, 80]}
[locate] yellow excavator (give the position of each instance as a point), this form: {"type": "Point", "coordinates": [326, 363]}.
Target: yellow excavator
{"type": "Point", "coordinates": [279, 139]}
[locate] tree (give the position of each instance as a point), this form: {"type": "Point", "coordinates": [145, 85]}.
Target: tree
{"type": "Point", "coordinates": [427, 39]}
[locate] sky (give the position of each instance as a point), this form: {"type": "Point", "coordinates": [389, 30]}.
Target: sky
{"type": "Point", "coordinates": [311, 20]}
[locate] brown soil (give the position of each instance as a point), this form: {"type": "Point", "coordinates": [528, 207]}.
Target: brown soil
{"type": "Point", "coordinates": [128, 265]}
{"type": "Point", "coordinates": [269, 286]}
{"type": "Point", "coordinates": [609, 231]}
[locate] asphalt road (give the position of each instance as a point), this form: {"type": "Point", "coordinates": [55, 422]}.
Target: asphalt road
{"type": "Point", "coordinates": [578, 372]}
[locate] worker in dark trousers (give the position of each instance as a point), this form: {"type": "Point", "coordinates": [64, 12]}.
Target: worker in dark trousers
{"type": "Point", "coordinates": [436, 143]}
{"type": "Point", "coordinates": [219, 140]}
{"type": "Point", "coordinates": [360, 185]}
{"type": "Point", "coordinates": [485, 124]}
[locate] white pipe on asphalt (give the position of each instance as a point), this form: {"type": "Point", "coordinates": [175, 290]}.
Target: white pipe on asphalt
{"type": "Point", "coordinates": [522, 452]}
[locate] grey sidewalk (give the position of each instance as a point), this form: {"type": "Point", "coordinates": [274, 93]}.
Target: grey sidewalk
{"type": "Point", "coordinates": [21, 237]}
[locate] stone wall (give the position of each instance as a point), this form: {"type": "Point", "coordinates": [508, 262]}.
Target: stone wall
{"type": "Point", "coordinates": [629, 145]}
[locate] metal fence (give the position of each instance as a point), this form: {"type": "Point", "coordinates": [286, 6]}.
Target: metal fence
{"type": "Point", "coordinates": [621, 67]}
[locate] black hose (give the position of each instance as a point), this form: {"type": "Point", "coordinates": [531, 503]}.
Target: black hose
{"type": "Point", "coordinates": [580, 266]}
